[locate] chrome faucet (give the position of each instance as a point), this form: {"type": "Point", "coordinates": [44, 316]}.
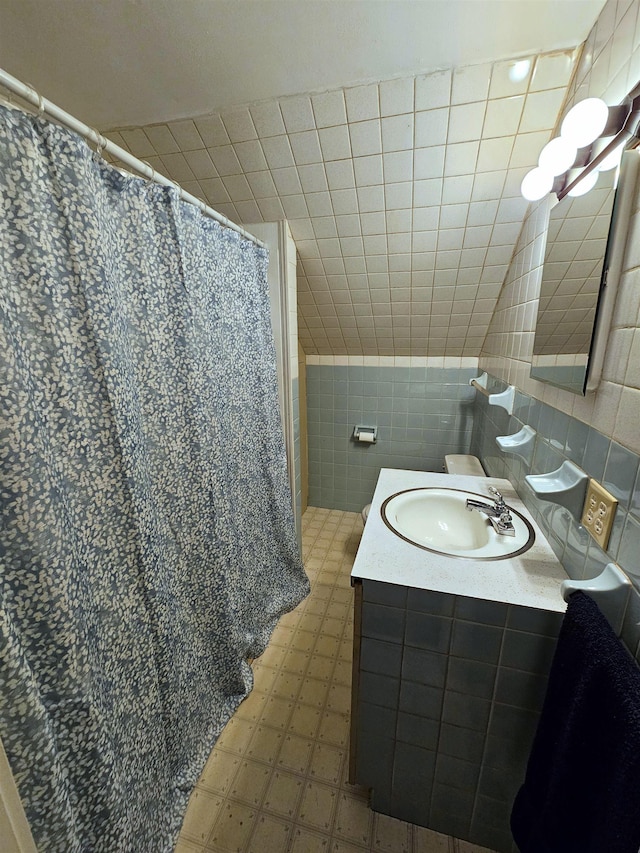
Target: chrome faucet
{"type": "Point", "coordinates": [497, 513]}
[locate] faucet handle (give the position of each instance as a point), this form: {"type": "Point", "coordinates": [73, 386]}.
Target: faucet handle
{"type": "Point", "coordinates": [500, 504]}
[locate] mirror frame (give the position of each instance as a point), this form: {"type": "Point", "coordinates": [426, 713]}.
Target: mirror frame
{"type": "Point", "coordinates": [624, 195]}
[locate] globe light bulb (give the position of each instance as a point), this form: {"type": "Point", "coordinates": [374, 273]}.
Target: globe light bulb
{"type": "Point", "coordinates": [585, 122]}
{"type": "Point", "coordinates": [536, 184]}
{"type": "Point", "coordinates": [586, 184]}
{"type": "Point", "coordinates": [557, 156]}
{"type": "Point", "coordinates": [612, 161]}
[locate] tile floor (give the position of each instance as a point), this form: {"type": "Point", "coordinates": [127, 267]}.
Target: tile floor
{"type": "Point", "coordinates": [276, 781]}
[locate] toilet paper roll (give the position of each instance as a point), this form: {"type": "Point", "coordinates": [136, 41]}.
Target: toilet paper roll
{"type": "Point", "coordinates": [366, 437]}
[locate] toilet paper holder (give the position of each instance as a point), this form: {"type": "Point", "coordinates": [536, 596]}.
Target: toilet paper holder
{"type": "Point", "coordinates": [365, 434]}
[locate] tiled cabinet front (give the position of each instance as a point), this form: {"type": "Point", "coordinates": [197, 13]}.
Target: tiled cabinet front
{"type": "Point", "coordinates": [447, 694]}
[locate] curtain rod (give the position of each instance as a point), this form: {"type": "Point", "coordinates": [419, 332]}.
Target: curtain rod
{"type": "Point", "coordinates": [28, 93]}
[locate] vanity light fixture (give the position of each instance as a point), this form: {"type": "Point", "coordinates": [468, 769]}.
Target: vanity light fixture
{"type": "Point", "coordinates": [612, 160]}
{"type": "Point", "coordinates": [584, 185]}
{"type": "Point", "coordinates": [592, 139]}
{"type": "Point", "coordinates": [536, 184]}
{"type": "Point", "coordinates": [557, 156]}
{"type": "Point", "coordinates": [585, 122]}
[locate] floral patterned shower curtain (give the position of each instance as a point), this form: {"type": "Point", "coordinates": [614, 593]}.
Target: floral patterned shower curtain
{"type": "Point", "coordinates": [147, 545]}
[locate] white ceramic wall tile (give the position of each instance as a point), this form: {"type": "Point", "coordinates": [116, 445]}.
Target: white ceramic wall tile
{"type": "Point", "coordinates": [211, 130]}
{"type": "Point", "coordinates": [431, 127]}
{"type": "Point", "coordinates": [215, 191]}
{"type": "Point", "coordinates": [494, 151]}
{"type": "Point", "coordinates": [461, 158]}
{"type": "Point", "coordinates": [335, 142]}
{"type": "Point", "coordinates": [277, 151]}
{"type": "Point", "coordinates": [137, 142]}
{"type": "Point", "coordinates": [239, 125]}
{"type": "Point", "coordinates": [344, 201]}
{"type": "Point", "coordinates": [398, 196]}
{"type": "Point", "coordinates": [433, 90]}
{"type": "Point", "coordinates": [313, 177]}
{"type": "Point", "coordinates": [457, 189]}
{"type": "Point", "coordinates": [366, 138]}
{"type": "Point", "coordinates": [397, 133]}
{"type": "Point", "coordinates": [329, 109]}
{"type": "Point", "coordinates": [465, 122]}
{"type": "Point", "coordinates": [394, 191]}
{"type": "Point", "coordinates": [553, 70]}
{"type": "Point", "coordinates": [297, 114]}
{"type": "Point", "coordinates": [396, 96]}
{"type": "Point", "coordinates": [225, 160]}
{"type": "Point", "coordinates": [398, 166]}
{"type": "Point", "coordinates": [368, 170]}
{"type": "Point", "coordinates": [262, 184]}
{"type": "Point", "coordinates": [362, 103]}
{"type": "Point", "coordinates": [286, 181]}
{"type": "Point", "coordinates": [340, 175]}
{"type": "Point", "coordinates": [267, 119]}
{"type": "Point", "coordinates": [161, 139]}
{"type": "Point", "coordinates": [305, 147]}
{"type": "Point", "coordinates": [511, 77]}
{"type": "Point", "coordinates": [238, 187]}
{"type": "Point", "coordinates": [470, 84]}
{"type": "Point", "coordinates": [527, 148]}
{"type": "Point", "coordinates": [177, 167]}
{"type": "Point", "coordinates": [453, 216]}
{"type": "Point", "coordinates": [429, 162]}
{"type": "Point", "coordinates": [201, 164]}
{"type": "Point", "coordinates": [186, 135]}
{"type": "Point", "coordinates": [538, 109]}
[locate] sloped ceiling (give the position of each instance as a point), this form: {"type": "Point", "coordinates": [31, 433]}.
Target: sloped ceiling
{"type": "Point", "coordinates": [402, 194]}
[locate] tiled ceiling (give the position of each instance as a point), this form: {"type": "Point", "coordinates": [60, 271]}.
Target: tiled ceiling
{"type": "Point", "coordinates": [402, 196]}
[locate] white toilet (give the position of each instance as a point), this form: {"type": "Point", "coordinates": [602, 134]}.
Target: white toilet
{"type": "Point", "coordinates": [463, 463]}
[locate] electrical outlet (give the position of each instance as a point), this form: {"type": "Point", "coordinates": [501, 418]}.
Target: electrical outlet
{"type": "Point", "coordinates": [599, 512]}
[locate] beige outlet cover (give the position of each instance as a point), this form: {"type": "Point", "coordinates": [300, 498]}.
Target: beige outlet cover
{"type": "Point", "coordinates": [598, 512]}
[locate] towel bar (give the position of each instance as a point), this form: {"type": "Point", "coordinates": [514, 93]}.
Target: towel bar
{"type": "Point", "coordinates": [610, 590]}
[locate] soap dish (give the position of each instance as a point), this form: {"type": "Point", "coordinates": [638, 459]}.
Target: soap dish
{"type": "Point", "coordinates": [567, 486]}
{"type": "Point", "coordinates": [520, 444]}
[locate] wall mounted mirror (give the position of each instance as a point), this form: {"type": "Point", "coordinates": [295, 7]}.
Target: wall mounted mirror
{"type": "Point", "coordinates": [583, 256]}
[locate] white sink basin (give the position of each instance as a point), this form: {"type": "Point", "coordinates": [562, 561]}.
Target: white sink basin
{"type": "Point", "coordinates": [438, 520]}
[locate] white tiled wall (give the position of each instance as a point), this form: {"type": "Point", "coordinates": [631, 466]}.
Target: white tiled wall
{"type": "Point", "coordinates": [609, 68]}
{"type": "Point", "coordinates": [402, 195]}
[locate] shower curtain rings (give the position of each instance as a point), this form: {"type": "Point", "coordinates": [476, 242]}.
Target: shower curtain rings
{"type": "Point", "coordinates": [152, 176]}
{"type": "Point", "coordinates": [100, 144]}
{"type": "Point", "coordinates": [37, 95]}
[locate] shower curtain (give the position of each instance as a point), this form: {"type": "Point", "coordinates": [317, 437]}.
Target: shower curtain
{"type": "Point", "coordinates": [147, 545]}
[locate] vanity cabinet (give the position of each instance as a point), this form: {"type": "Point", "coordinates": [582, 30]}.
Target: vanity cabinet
{"type": "Point", "coordinates": [450, 665]}
{"type": "Point", "coordinates": [447, 692]}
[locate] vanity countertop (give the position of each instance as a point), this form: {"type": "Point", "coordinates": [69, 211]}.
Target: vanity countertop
{"type": "Point", "coordinates": [531, 579]}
